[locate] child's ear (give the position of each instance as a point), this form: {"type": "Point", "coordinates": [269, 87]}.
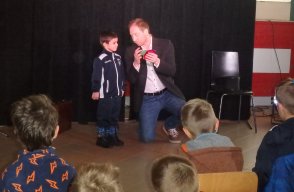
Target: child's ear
{"type": "Point", "coordinates": [56, 132]}
{"type": "Point", "coordinates": [283, 112]}
{"type": "Point", "coordinates": [216, 126]}
{"type": "Point", "coordinates": [188, 133]}
{"type": "Point", "coordinates": [104, 45]}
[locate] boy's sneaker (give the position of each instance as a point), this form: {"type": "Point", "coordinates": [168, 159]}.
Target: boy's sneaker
{"type": "Point", "coordinates": [173, 135]}
{"type": "Point", "coordinates": [103, 142]}
{"type": "Point", "coordinates": [114, 140]}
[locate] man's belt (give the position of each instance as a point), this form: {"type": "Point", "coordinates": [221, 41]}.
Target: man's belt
{"type": "Point", "coordinates": [156, 93]}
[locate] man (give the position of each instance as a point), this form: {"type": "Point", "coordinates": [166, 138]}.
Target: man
{"type": "Point", "coordinates": [150, 68]}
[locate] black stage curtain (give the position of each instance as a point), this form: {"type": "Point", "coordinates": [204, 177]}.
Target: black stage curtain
{"type": "Point", "coordinates": [48, 46]}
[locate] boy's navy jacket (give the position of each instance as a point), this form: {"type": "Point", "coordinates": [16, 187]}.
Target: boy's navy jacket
{"type": "Point", "coordinates": [282, 175]}
{"type": "Point", "coordinates": [278, 142]}
{"type": "Point", "coordinates": [108, 75]}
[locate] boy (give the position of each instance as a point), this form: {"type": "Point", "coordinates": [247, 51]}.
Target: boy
{"type": "Point", "coordinates": [279, 141]}
{"type": "Point", "coordinates": [97, 177]}
{"type": "Point", "coordinates": [200, 125]}
{"type": "Point", "coordinates": [173, 173]}
{"type": "Point", "coordinates": [108, 87]}
{"type": "Point", "coordinates": [37, 168]}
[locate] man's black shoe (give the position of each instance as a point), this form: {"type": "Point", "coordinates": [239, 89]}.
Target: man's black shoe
{"type": "Point", "coordinates": [103, 142]}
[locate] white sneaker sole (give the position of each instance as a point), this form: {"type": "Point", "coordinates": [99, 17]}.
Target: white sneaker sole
{"type": "Point", "coordinates": [171, 141]}
{"type": "Point", "coordinates": [175, 142]}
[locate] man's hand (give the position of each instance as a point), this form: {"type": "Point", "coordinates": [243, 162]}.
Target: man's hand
{"type": "Point", "coordinates": [137, 56]}
{"type": "Point", "coordinates": [95, 95]}
{"type": "Point", "coordinates": [152, 57]}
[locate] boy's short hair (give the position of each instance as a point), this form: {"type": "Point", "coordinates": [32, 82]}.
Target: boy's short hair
{"type": "Point", "coordinates": [95, 177]}
{"type": "Point", "coordinates": [173, 173]}
{"type": "Point", "coordinates": [286, 81]}
{"type": "Point", "coordinates": [141, 23]}
{"type": "Point", "coordinates": [34, 119]}
{"type": "Point", "coordinates": [285, 94]}
{"type": "Point", "coordinates": [107, 36]}
{"type": "Point", "coordinates": [198, 116]}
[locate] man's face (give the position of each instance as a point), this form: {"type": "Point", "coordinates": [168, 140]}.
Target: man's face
{"type": "Point", "coordinates": [138, 36]}
{"type": "Point", "coordinates": [112, 45]}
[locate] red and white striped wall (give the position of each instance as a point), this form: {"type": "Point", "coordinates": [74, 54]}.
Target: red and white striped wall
{"type": "Point", "coordinates": [273, 58]}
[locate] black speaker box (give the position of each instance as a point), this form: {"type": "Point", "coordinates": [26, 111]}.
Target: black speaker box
{"type": "Point", "coordinates": [64, 109]}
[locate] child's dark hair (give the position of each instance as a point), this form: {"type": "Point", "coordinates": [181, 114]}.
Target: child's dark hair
{"type": "Point", "coordinates": [106, 36]}
{"type": "Point", "coordinates": [35, 120]}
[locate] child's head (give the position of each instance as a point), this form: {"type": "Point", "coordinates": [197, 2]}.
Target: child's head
{"type": "Point", "coordinates": [286, 81]}
{"type": "Point", "coordinates": [174, 174]}
{"type": "Point", "coordinates": [35, 121]}
{"type": "Point", "coordinates": [109, 40]}
{"type": "Point", "coordinates": [198, 117]}
{"type": "Point", "coordinates": [285, 98]}
{"type": "Point", "coordinates": [94, 177]}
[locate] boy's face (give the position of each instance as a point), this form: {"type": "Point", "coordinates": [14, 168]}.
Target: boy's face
{"type": "Point", "coordinates": [112, 45]}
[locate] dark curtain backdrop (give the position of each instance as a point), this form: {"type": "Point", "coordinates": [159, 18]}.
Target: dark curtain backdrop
{"type": "Point", "coordinates": [48, 46]}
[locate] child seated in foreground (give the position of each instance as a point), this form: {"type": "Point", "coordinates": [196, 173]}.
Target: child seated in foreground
{"type": "Point", "coordinates": [37, 168]}
{"type": "Point", "coordinates": [173, 173]}
{"type": "Point", "coordinates": [279, 140]}
{"type": "Point", "coordinates": [282, 175]}
{"type": "Point", "coordinates": [200, 125]}
{"type": "Point", "coordinates": [95, 177]}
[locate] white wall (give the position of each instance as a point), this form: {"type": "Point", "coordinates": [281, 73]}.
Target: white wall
{"type": "Point", "coordinates": [266, 10]}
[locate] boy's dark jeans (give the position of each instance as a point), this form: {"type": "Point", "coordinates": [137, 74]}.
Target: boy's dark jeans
{"type": "Point", "coordinates": [108, 111]}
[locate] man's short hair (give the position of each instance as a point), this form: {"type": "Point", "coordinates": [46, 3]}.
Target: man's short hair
{"type": "Point", "coordinates": [198, 116]}
{"type": "Point", "coordinates": [34, 119]}
{"type": "Point", "coordinates": [95, 177]}
{"type": "Point", "coordinates": [173, 173]}
{"type": "Point", "coordinates": [106, 36]}
{"type": "Point", "coordinates": [141, 23]}
{"type": "Point", "coordinates": [285, 94]}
